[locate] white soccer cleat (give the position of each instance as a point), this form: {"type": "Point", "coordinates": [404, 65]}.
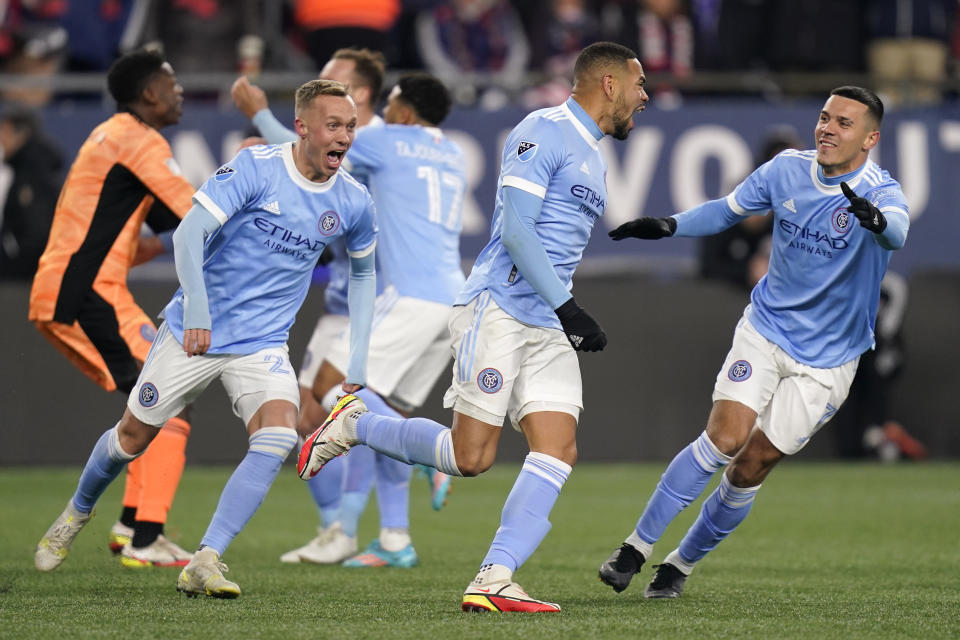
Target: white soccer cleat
{"type": "Point", "coordinates": [331, 546]}
{"type": "Point", "coordinates": [204, 576]}
{"type": "Point", "coordinates": [120, 534]}
{"type": "Point", "coordinates": [161, 553]}
{"type": "Point", "coordinates": [334, 437]}
{"type": "Point", "coordinates": [494, 590]}
{"type": "Point", "coordinates": [55, 543]}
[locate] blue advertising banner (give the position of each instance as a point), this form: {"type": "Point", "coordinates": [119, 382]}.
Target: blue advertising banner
{"type": "Point", "coordinates": [673, 159]}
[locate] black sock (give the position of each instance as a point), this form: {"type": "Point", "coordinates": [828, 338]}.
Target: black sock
{"type": "Point", "coordinates": [144, 533]}
{"type": "Point", "coordinates": [128, 516]}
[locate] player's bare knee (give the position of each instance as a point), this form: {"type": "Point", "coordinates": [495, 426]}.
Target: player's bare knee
{"type": "Point", "coordinates": [744, 473]}
{"type": "Point", "coordinates": [134, 436]}
{"type": "Point", "coordinates": [473, 463]}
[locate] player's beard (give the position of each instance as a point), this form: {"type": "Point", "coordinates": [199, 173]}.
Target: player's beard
{"type": "Point", "coordinates": [621, 126]}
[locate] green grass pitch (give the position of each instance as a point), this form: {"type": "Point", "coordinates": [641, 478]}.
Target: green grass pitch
{"type": "Point", "coordinates": [829, 551]}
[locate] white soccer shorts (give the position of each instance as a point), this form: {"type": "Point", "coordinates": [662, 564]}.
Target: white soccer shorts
{"type": "Point", "coordinates": [505, 367]}
{"type": "Point", "coordinates": [792, 400]}
{"type": "Point", "coordinates": [409, 348]}
{"type": "Point", "coordinates": [170, 380]}
{"type": "Point", "coordinates": [328, 329]}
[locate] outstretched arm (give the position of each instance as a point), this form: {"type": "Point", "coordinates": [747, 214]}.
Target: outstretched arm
{"type": "Point", "coordinates": [704, 220]}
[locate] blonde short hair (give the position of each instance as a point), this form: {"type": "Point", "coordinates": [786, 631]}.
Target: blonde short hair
{"type": "Point", "coordinates": [310, 90]}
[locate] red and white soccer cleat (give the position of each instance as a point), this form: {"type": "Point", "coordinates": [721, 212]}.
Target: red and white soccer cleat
{"type": "Point", "coordinates": [330, 440]}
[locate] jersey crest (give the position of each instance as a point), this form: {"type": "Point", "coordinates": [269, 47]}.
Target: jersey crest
{"type": "Point", "coordinates": [329, 223]}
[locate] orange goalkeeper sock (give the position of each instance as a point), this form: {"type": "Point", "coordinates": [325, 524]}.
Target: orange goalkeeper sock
{"type": "Point", "coordinates": [161, 466]}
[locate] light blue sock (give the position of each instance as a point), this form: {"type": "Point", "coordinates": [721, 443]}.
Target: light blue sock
{"type": "Point", "coordinates": [393, 492]}
{"type": "Point", "coordinates": [248, 486]}
{"type": "Point", "coordinates": [524, 523]}
{"type": "Point", "coordinates": [359, 465]}
{"type": "Point", "coordinates": [351, 508]}
{"type": "Point", "coordinates": [326, 487]}
{"type": "Point", "coordinates": [726, 508]}
{"type": "Point", "coordinates": [683, 481]}
{"type": "Point", "coordinates": [410, 440]}
{"type": "Point", "coordinates": [105, 463]}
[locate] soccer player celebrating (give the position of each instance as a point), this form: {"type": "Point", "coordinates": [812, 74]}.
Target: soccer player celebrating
{"type": "Point", "coordinates": [244, 256]}
{"type": "Point", "coordinates": [516, 326]}
{"type": "Point", "coordinates": [124, 175]}
{"type": "Point", "coordinates": [417, 180]}
{"type": "Point", "coordinates": [347, 482]}
{"type": "Point", "coordinates": [361, 70]}
{"type": "Point", "coordinates": [796, 348]}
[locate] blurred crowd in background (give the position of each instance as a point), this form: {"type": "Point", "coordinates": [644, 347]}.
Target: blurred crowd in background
{"type": "Point", "coordinates": [493, 53]}
{"type": "Point", "coordinates": [523, 49]}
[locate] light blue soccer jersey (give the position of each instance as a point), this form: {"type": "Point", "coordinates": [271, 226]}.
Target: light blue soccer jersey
{"type": "Point", "coordinates": [553, 154]}
{"type": "Point", "coordinates": [416, 177]}
{"type": "Point", "coordinates": [275, 224]}
{"type": "Point", "coordinates": [335, 294]}
{"type": "Point", "coordinates": [818, 301]}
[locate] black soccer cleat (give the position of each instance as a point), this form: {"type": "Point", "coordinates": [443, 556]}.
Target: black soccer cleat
{"type": "Point", "coordinates": [619, 568]}
{"type": "Point", "coordinates": [667, 582]}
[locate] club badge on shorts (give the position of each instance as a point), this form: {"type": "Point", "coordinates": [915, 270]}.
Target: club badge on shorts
{"type": "Point", "coordinates": [740, 371]}
{"type": "Point", "coordinates": [490, 380]}
{"type": "Point", "coordinates": [148, 394]}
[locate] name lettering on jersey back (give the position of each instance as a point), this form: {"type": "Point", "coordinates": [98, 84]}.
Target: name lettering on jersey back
{"type": "Point", "coordinates": [593, 203]}
{"type": "Point", "coordinates": [288, 241]}
{"type": "Point", "coordinates": [425, 152]}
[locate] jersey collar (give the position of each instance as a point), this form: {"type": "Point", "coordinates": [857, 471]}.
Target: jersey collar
{"type": "Point", "coordinates": [831, 186]}
{"type": "Point", "coordinates": [298, 178]}
{"type": "Point", "coordinates": [583, 123]}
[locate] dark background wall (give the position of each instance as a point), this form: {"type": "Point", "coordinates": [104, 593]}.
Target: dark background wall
{"type": "Point", "coordinates": [646, 395]}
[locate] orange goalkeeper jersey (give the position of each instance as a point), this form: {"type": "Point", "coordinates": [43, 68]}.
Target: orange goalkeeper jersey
{"type": "Point", "coordinates": [124, 175]}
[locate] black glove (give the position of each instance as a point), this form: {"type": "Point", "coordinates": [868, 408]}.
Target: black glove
{"type": "Point", "coordinates": [869, 216]}
{"type": "Point", "coordinates": [326, 256]}
{"type": "Point", "coordinates": [645, 228]}
{"type": "Point", "coordinates": [582, 330]}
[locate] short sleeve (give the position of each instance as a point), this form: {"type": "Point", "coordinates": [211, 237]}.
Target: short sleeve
{"type": "Point", "coordinates": [889, 198]}
{"type": "Point", "coordinates": [532, 155]}
{"type": "Point", "coordinates": [361, 235]}
{"type": "Point", "coordinates": [753, 194]}
{"type": "Point", "coordinates": [231, 187]}
{"type": "Point", "coordinates": [366, 155]}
